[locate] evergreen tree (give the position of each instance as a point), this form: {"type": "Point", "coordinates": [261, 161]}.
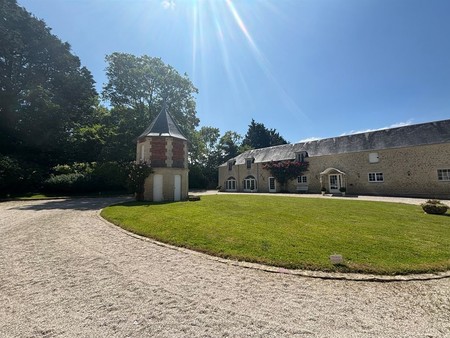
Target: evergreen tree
{"type": "Point", "coordinates": [258, 136]}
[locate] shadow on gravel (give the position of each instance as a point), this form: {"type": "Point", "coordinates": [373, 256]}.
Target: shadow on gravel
{"type": "Point", "coordinates": [73, 204]}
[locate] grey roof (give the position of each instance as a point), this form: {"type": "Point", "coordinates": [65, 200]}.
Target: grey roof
{"type": "Point", "coordinates": [163, 125]}
{"type": "Point", "coordinates": [407, 136]}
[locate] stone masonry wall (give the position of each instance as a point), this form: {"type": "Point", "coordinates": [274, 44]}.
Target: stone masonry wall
{"type": "Point", "coordinates": [408, 171]}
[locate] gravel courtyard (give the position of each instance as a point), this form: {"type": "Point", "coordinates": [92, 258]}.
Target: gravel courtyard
{"type": "Point", "coordinates": [64, 272]}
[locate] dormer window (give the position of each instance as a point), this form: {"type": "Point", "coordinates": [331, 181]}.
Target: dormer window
{"type": "Point", "coordinates": [248, 162]}
{"type": "Point", "coordinates": [300, 156]}
{"type": "Point", "coordinates": [230, 164]}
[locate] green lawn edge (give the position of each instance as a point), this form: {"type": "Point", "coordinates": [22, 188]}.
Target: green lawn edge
{"type": "Point", "coordinates": [297, 233]}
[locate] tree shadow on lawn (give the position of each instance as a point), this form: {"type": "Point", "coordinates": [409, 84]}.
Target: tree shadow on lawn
{"type": "Point", "coordinates": [85, 203]}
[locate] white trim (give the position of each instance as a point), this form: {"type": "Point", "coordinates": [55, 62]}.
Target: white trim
{"type": "Point", "coordinates": [329, 170]}
{"type": "Point", "coordinates": [338, 184]}
{"type": "Point", "coordinates": [377, 177]}
{"type": "Point", "coordinates": [231, 184]}
{"type": "Point", "coordinates": [272, 180]}
{"type": "Point", "coordinates": [250, 184]}
{"type": "Point", "coordinates": [444, 175]}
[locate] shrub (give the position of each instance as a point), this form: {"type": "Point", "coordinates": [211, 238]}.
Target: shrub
{"type": "Point", "coordinates": [435, 207]}
{"type": "Point", "coordinates": [68, 183]}
{"type": "Point", "coordinates": [137, 174]}
{"type": "Point", "coordinates": [18, 175]}
{"type": "Point", "coordinates": [87, 177]}
{"type": "Point", "coordinates": [110, 176]}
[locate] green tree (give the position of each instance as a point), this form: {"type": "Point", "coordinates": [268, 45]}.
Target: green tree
{"type": "Point", "coordinates": [45, 94]}
{"type": "Point", "coordinates": [209, 151]}
{"type": "Point", "coordinates": [258, 136]}
{"type": "Point", "coordinates": [136, 89]}
{"type": "Point", "coordinates": [204, 156]}
{"type": "Point", "coordinates": [229, 146]}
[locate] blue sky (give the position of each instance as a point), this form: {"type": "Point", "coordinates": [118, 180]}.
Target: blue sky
{"type": "Point", "coordinates": [308, 68]}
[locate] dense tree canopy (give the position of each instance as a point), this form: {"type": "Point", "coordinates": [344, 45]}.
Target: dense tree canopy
{"type": "Point", "coordinates": [45, 94]}
{"type": "Point", "coordinates": [50, 112]}
{"type": "Point", "coordinates": [136, 89]}
{"type": "Point", "coordinates": [258, 136]}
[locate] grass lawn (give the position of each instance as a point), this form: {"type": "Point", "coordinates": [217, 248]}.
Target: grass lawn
{"type": "Point", "coordinates": [373, 237]}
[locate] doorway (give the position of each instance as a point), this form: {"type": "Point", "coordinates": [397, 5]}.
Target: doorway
{"type": "Point", "coordinates": [335, 181]}
{"type": "Point", "coordinates": [157, 188]}
{"type": "Point", "coordinates": [177, 187]}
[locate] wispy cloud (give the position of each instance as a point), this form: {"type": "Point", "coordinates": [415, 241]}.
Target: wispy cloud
{"type": "Point", "coordinates": [309, 139]}
{"type": "Point", "coordinates": [168, 4]}
{"type": "Point", "coordinates": [395, 125]}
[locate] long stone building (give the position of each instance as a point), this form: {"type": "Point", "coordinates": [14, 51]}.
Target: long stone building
{"type": "Point", "coordinates": [412, 160]}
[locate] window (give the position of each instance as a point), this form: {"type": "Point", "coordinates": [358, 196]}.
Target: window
{"type": "Point", "coordinates": [230, 165]}
{"type": "Point", "coordinates": [230, 184]}
{"type": "Point", "coordinates": [376, 177]}
{"type": "Point", "coordinates": [300, 157]}
{"type": "Point", "coordinates": [249, 183]}
{"type": "Point", "coordinates": [443, 174]}
{"type": "Point", "coordinates": [302, 179]}
{"type": "Point", "coordinates": [272, 184]}
{"type": "Point", "coordinates": [248, 162]}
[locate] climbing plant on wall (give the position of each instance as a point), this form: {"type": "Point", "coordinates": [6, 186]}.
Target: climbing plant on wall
{"type": "Point", "coordinates": [283, 171]}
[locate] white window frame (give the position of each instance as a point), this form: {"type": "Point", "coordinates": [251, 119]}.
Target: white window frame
{"type": "Point", "coordinates": [303, 179]}
{"type": "Point", "coordinates": [274, 181]}
{"type": "Point", "coordinates": [375, 177]}
{"type": "Point", "coordinates": [301, 156]}
{"type": "Point", "coordinates": [248, 163]}
{"type": "Point", "coordinates": [249, 183]}
{"type": "Point", "coordinates": [230, 184]}
{"type": "Point", "coordinates": [230, 165]}
{"type": "Point", "coordinates": [443, 175]}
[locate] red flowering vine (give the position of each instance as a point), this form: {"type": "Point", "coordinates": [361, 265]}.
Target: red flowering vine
{"type": "Point", "coordinates": [284, 171]}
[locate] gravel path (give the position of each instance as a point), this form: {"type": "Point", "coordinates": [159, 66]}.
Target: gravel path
{"type": "Point", "coordinates": [66, 273]}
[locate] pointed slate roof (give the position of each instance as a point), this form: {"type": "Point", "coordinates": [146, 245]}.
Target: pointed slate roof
{"type": "Point", "coordinates": [163, 125]}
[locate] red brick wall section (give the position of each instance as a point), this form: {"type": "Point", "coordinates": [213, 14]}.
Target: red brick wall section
{"type": "Point", "coordinates": [178, 153]}
{"type": "Point", "coordinates": [158, 152]}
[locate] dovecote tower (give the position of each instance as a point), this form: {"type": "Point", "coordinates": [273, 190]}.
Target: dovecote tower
{"type": "Point", "coordinates": [165, 148]}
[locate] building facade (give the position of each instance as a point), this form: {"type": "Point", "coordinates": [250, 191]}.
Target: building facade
{"type": "Point", "coordinates": [406, 161]}
{"type": "Point", "coordinates": [165, 149]}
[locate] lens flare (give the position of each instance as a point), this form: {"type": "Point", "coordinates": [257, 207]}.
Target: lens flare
{"type": "Point", "coordinates": [223, 17]}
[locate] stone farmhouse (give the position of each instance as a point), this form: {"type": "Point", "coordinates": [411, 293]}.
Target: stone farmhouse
{"type": "Point", "coordinates": [411, 161]}
{"type": "Point", "coordinates": [165, 148]}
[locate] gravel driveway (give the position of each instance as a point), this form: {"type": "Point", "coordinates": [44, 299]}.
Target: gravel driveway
{"type": "Point", "coordinates": [66, 273]}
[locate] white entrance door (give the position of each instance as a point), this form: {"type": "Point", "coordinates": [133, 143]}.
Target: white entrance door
{"type": "Point", "coordinates": [177, 187]}
{"type": "Point", "coordinates": [272, 184]}
{"type": "Point", "coordinates": [157, 188]}
{"type": "Point", "coordinates": [335, 183]}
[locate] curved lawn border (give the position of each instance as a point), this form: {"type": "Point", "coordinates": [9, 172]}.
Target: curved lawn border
{"type": "Point", "coordinates": [356, 277]}
{"type": "Point", "coordinates": [434, 255]}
